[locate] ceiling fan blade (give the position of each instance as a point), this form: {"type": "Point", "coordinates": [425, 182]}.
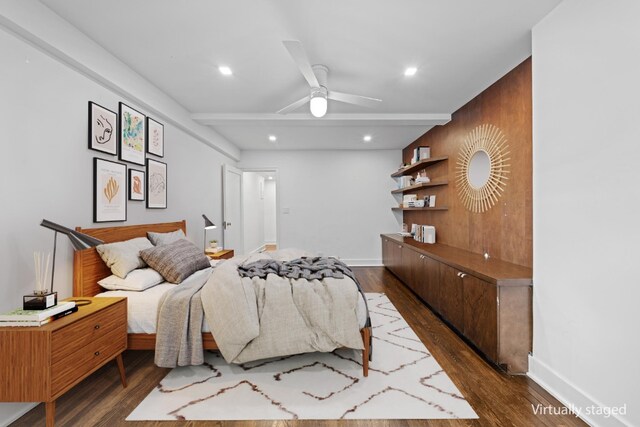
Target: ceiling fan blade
{"type": "Point", "coordinates": [289, 108]}
{"type": "Point", "coordinates": [300, 57]}
{"type": "Point", "coordinates": [349, 98]}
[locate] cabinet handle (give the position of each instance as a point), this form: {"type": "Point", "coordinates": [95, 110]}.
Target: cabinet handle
{"type": "Point", "coordinates": [463, 275]}
{"type": "Point", "coordinates": [97, 353]}
{"type": "Point", "coordinates": [399, 246]}
{"type": "Point", "coordinates": [96, 327]}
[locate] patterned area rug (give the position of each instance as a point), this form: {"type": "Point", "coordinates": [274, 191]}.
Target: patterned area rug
{"type": "Point", "coordinates": [404, 382]}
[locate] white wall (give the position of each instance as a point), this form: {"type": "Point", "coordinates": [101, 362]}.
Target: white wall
{"type": "Point", "coordinates": [338, 201]}
{"type": "Point", "coordinates": [253, 212]}
{"type": "Point", "coordinates": [270, 212]}
{"type": "Point", "coordinates": [586, 94]}
{"type": "Point", "coordinates": [46, 170]}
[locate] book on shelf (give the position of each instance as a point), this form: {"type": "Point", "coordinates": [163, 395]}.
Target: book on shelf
{"type": "Point", "coordinates": [213, 250]}
{"type": "Point", "coordinates": [20, 315]}
{"type": "Point", "coordinates": [49, 319]}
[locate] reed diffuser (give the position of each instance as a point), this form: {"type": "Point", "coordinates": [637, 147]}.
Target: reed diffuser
{"type": "Point", "coordinates": [42, 297]}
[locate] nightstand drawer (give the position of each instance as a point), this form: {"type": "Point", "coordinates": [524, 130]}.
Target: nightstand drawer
{"type": "Point", "coordinates": [78, 336]}
{"type": "Point", "coordinates": [68, 370]}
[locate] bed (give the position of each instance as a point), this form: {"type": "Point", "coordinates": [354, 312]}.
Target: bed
{"type": "Point", "coordinates": [88, 269]}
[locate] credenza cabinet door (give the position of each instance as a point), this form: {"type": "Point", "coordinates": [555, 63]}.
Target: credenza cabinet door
{"type": "Point", "coordinates": [416, 274]}
{"type": "Point", "coordinates": [481, 314]}
{"type": "Point", "coordinates": [431, 282]}
{"type": "Point", "coordinates": [386, 256]}
{"type": "Point", "coordinates": [451, 303]}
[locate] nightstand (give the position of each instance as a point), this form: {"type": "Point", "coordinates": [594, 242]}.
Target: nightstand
{"type": "Point", "coordinates": [40, 364]}
{"type": "Point", "coordinates": [223, 254]}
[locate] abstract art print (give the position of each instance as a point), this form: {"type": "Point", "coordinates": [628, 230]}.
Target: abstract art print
{"type": "Point", "coordinates": [156, 184]}
{"type": "Point", "coordinates": [102, 129]}
{"type": "Point", "coordinates": [109, 191]}
{"type": "Point", "coordinates": [136, 185]}
{"type": "Point", "coordinates": [155, 138]}
{"type": "Point", "coordinates": [132, 135]}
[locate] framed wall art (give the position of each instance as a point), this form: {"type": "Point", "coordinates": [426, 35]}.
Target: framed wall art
{"type": "Point", "coordinates": [102, 129]}
{"type": "Point", "coordinates": [155, 137]}
{"type": "Point", "coordinates": [132, 135]}
{"type": "Point", "coordinates": [109, 191]}
{"type": "Point", "coordinates": [137, 185]}
{"type": "Point", "coordinates": [156, 184]}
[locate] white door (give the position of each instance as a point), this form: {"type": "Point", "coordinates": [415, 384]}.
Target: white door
{"type": "Point", "coordinates": [232, 209]}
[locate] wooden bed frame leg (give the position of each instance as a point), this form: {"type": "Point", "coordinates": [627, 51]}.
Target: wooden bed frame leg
{"type": "Point", "coordinates": [366, 340]}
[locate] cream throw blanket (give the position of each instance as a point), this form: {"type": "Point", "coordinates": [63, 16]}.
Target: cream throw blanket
{"type": "Point", "coordinates": [254, 318]}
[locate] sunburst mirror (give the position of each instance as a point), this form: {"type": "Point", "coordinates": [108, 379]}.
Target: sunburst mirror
{"type": "Point", "coordinates": [482, 168]}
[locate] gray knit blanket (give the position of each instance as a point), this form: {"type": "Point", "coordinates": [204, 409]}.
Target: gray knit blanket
{"type": "Point", "coordinates": [179, 325]}
{"type": "Point", "coordinates": [316, 268]}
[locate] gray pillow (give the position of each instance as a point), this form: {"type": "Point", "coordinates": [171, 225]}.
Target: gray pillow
{"type": "Point", "coordinates": [176, 261]}
{"type": "Point", "coordinates": [124, 257]}
{"type": "Point", "coordinates": [159, 239]}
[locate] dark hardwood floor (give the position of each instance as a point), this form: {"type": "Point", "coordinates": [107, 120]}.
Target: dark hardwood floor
{"type": "Point", "coordinates": [497, 398]}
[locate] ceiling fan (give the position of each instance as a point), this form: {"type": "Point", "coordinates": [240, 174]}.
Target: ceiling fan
{"type": "Point", "coordinates": [316, 76]}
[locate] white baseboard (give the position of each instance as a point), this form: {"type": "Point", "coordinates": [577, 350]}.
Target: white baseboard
{"type": "Point", "coordinates": [570, 395]}
{"type": "Point", "coordinates": [363, 262]}
{"type": "Point", "coordinates": [10, 412]}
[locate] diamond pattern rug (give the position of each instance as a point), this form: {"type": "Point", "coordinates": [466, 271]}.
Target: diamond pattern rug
{"type": "Point", "coordinates": [404, 382]}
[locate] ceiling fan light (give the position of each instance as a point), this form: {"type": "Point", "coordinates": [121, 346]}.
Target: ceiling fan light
{"type": "Point", "coordinates": [318, 102]}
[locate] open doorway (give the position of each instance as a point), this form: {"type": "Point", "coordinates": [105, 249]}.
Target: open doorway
{"type": "Point", "coordinates": [259, 210]}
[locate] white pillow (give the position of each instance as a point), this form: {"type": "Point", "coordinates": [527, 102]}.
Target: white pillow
{"type": "Point", "coordinates": [137, 280]}
{"type": "Point", "coordinates": [161, 239]}
{"type": "Point", "coordinates": [123, 257]}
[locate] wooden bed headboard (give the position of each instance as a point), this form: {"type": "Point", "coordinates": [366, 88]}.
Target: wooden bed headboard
{"type": "Point", "coordinates": [88, 267]}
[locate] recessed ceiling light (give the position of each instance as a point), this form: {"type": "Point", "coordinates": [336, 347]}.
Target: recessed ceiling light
{"type": "Point", "coordinates": [411, 71]}
{"type": "Point", "coordinates": [269, 177]}
{"type": "Point", "coordinates": [224, 70]}
{"type": "Point", "coordinates": [367, 138]}
{"type": "Point", "coordinates": [272, 138]}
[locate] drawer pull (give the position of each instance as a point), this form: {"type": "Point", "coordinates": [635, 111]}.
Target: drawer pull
{"type": "Point", "coordinates": [97, 353]}
{"type": "Point", "coordinates": [463, 275]}
{"type": "Point", "coordinates": [96, 327]}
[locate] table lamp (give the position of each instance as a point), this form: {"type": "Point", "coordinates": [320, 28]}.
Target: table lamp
{"type": "Point", "coordinates": [45, 299]}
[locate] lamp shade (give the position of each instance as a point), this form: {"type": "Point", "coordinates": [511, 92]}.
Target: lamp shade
{"type": "Point", "coordinates": [208, 224]}
{"type": "Point", "coordinates": [79, 240]}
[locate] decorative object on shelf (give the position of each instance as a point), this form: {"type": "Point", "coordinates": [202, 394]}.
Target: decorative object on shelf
{"type": "Point", "coordinates": [423, 233]}
{"type": "Point", "coordinates": [208, 225]}
{"type": "Point", "coordinates": [430, 201]}
{"type": "Point", "coordinates": [408, 200]}
{"type": "Point", "coordinates": [213, 244]}
{"type": "Point", "coordinates": [155, 137]}
{"type": "Point", "coordinates": [482, 168]}
{"type": "Point", "coordinates": [420, 153]}
{"type": "Point", "coordinates": [79, 241]}
{"type": "Point", "coordinates": [132, 135]}
{"type": "Point", "coordinates": [109, 191]}
{"type": "Point", "coordinates": [137, 185]}
{"type": "Point", "coordinates": [422, 178]}
{"type": "Point", "coordinates": [102, 129]}
{"type": "Point", "coordinates": [156, 184]}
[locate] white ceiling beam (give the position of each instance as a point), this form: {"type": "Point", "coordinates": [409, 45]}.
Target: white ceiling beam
{"type": "Point", "coordinates": [214, 119]}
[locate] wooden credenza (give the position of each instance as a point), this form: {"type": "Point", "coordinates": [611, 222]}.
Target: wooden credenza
{"type": "Point", "coordinates": [487, 301]}
{"type": "Point", "coordinates": [39, 364]}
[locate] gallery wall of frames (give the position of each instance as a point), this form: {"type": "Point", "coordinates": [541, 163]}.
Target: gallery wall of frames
{"type": "Point", "coordinates": [135, 139]}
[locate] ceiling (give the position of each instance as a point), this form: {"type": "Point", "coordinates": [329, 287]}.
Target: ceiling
{"type": "Point", "coordinates": [460, 48]}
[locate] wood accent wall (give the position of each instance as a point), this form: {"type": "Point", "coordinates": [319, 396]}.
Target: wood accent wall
{"type": "Point", "coordinates": [506, 230]}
